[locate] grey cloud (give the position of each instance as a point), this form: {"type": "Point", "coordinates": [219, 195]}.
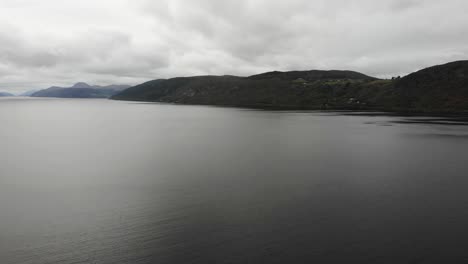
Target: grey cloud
{"type": "Point", "coordinates": [308, 34]}
{"type": "Point", "coordinates": [124, 41]}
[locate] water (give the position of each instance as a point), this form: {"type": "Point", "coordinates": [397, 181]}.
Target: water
{"type": "Point", "coordinates": [98, 181]}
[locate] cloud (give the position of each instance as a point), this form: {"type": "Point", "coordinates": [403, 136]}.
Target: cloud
{"type": "Point", "coordinates": [60, 42]}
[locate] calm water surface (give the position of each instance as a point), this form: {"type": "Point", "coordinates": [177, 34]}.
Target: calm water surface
{"type": "Point", "coordinates": [97, 181]}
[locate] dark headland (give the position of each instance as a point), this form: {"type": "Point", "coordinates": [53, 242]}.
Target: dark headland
{"type": "Point", "coordinates": [442, 88]}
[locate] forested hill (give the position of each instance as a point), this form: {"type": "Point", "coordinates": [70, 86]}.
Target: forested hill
{"type": "Point", "coordinates": [436, 89]}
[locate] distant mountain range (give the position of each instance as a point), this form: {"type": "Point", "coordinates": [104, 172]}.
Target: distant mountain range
{"type": "Point", "coordinates": [80, 90]}
{"type": "Point", "coordinates": [442, 88]}
{"type": "Point", "coordinates": [3, 94]}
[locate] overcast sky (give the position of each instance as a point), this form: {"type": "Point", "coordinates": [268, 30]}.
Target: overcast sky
{"type": "Point", "coordinates": [60, 42]}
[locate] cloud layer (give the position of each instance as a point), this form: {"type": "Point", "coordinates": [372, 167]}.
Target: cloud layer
{"type": "Point", "coordinates": [59, 42]}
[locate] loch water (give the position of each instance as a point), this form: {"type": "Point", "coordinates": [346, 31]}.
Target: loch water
{"type": "Point", "coordinates": [101, 181]}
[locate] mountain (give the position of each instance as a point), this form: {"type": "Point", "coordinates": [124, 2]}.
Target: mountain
{"type": "Point", "coordinates": [4, 94]}
{"type": "Point", "coordinates": [442, 88]}
{"type": "Point", "coordinates": [81, 90]}
{"type": "Point", "coordinates": [81, 85]}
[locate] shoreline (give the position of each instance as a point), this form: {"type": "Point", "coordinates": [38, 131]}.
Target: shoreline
{"type": "Point", "coordinates": [375, 110]}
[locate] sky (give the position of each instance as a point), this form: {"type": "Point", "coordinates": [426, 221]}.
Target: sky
{"type": "Point", "coordinates": [61, 42]}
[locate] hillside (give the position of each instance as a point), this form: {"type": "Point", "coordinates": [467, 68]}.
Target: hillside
{"type": "Point", "coordinates": [440, 88]}
{"type": "Point", "coordinates": [80, 90]}
{"type": "Point", "coordinates": [306, 89]}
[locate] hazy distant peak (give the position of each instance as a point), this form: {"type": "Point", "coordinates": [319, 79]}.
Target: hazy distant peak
{"type": "Point", "coordinates": [81, 85]}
